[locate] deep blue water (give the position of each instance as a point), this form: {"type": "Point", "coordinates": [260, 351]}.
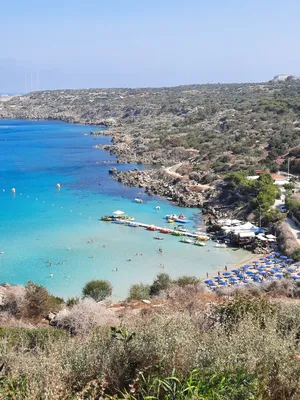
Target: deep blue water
{"type": "Point", "coordinates": [41, 222]}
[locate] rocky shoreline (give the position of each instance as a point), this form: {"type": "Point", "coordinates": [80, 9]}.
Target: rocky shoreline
{"type": "Point", "coordinates": [157, 182]}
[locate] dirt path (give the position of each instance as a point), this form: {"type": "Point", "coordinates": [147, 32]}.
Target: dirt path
{"type": "Point", "coordinates": [294, 229]}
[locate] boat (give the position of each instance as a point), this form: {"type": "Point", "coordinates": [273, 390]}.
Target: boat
{"type": "Point", "coordinates": [151, 228]}
{"type": "Point", "coordinates": [170, 221]}
{"type": "Point", "coordinates": [158, 238]}
{"type": "Point", "coordinates": [182, 221]}
{"type": "Point", "coordinates": [197, 243]}
{"type": "Point", "coordinates": [132, 224]}
{"type": "Point", "coordinates": [122, 217]}
{"type": "Point", "coordinates": [221, 245]}
{"type": "Point", "coordinates": [185, 240]}
{"type": "Point", "coordinates": [203, 238]}
{"type": "Point", "coordinates": [138, 200]}
{"type": "Point", "coordinates": [172, 216]}
{"type": "Point", "coordinates": [119, 221]}
{"type": "Point", "coordinates": [181, 229]}
{"type": "Point", "coordinates": [164, 230]}
{"type": "Point", "coordinates": [176, 233]}
{"type": "Point", "coordinates": [106, 218]}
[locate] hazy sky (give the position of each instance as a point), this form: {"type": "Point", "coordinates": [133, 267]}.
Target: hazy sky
{"type": "Point", "coordinates": [116, 43]}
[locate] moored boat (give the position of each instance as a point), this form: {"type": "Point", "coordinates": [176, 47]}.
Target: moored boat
{"type": "Point", "coordinates": [221, 245]}
{"type": "Point", "coordinates": [203, 238]}
{"type": "Point", "coordinates": [164, 230]}
{"type": "Point", "coordinates": [185, 240]}
{"type": "Point", "coordinates": [197, 243]}
{"type": "Point", "coordinates": [171, 216]}
{"type": "Point", "coordinates": [175, 233]}
{"type": "Point", "coordinates": [119, 221]}
{"type": "Point", "coordinates": [151, 228]}
{"type": "Point", "coordinates": [106, 218]}
{"type": "Point", "coordinates": [138, 200]}
{"type": "Point", "coordinates": [132, 224]}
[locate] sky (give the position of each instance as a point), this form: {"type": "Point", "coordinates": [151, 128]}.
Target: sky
{"type": "Point", "coordinates": [61, 44]}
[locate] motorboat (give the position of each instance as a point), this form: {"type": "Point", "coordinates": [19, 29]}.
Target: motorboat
{"type": "Point", "coordinates": [151, 228]}
{"type": "Point", "coordinates": [221, 245]}
{"type": "Point", "coordinates": [197, 243]}
{"type": "Point", "coordinates": [106, 218]}
{"type": "Point", "coordinates": [138, 200]}
{"type": "Point", "coordinates": [176, 233]}
{"type": "Point", "coordinates": [203, 238]}
{"type": "Point", "coordinates": [186, 240]}
{"type": "Point", "coordinates": [181, 229]}
{"type": "Point", "coordinates": [132, 224]}
{"type": "Point", "coordinates": [119, 221]}
{"type": "Point", "coordinates": [182, 219]}
{"type": "Point", "coordinates": [172, 216]}
{"type": "Point", "coordinates": [165, 230]}
{"type": "Point", "coordinates": [158, 238]}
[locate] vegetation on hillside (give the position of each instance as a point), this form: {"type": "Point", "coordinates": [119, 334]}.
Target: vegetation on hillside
{"type": "Point", "coordinates": [236, 344]}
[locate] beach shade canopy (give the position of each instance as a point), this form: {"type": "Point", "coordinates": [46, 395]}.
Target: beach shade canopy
{"type": "Point", "coordinates": [279, 275]}
{"type": "Point", "coordinates": [209, 281]}
{"type": "Point", "coordinates": [118, 212]}
{"type": "Point", "coordinates": [236, 271]}
{"type": "Point", "coordinates": [250, 273]}
{"type": "Point", "coordinates": [226, 273]}
{"type": "Point", "coordinates": [284, 257]}
{"type": "Point", "coordinates": [290, 269]}
{"type": "Point", "coordinates": [218, 278]}
{"type": "Point", "coordinates": [223, 283]}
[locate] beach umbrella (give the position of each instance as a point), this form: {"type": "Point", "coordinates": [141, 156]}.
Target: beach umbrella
{"type": "Point", "coordinates": [250, 273]}
{"type": "Point", "coordinates": [118, 212]}
{"type": "Point", "coordinates": [276, 253]}
{"type": "Point", "coordinates": [283, 264]}
{"type": "Point", "coordinates": [284, 257]}
{"type": "Point", "coordinates": [223, 283]}
{"type": "Point", "coordinates": [263, 272]}
{"type": "Point", "coordinates": [245, 281]}
{"type": "Point", "coordinates": [295, 277]}
{"type": "Point", "coordinates": [255, 262]}
{"type": "Point", "coordinates": [236, 271]}
{"type": "Point", "coordinates": [233, 279]}
{"type": "Point", "coordinates": [226, 273]}
{"type": "Point", "coordinates": [290, 269]}
{"type": "Point", "coordinates": [269, 263]}
{"type": "Point", "coordinates": [213, 288]}
{"type": "Point", "coordinates": [277, 269]}
{"type": "Point", "coordinates": [262, 259]}
{"type": "Point", "coordinates": [272, 271]}
{"type": "Point", "coordinates": [241, 276]}
{"type": "Point", "coordinates": [244, 267]}
{"type": "Point", "coordinates": [218, 278]}
{"type": "Point", "coordinates": [269, 256]}
{"type": "Point", "coordinates": [255, 278]}
{"type": "Point", "coordinates": [297, 265]}
{"type": "Point", "coordinates": [279, 276]}
{"type": "Point", "coordinates": [289, 260]}
{"type": "Point", "coordinates": [209, 281]}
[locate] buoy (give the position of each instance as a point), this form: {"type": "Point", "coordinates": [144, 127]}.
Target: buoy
{"type": "Point", "coordinates": [13, 190]}
{"type": "Point", "coordinates": [58, 185]}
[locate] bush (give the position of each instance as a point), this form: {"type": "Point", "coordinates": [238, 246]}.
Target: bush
{"type": "Point", "coordinates": [139, 291]}
{"type": "Point", "coordinates": [39, 302]}
{"type": "Point", "coordinates": [162, 282]}
{"type": "Point", "coordinates": [187, 280]}
{"type": "Point", "coordinates": [97, 289]}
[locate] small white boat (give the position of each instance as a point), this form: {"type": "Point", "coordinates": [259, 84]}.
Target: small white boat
{"type": "Point", "coordinates": [132, 224]}
{"type": "Point", "coordinates": [138, 200]}
{"type": "Point", "coordinates": [185, 240]}
{"type": "Point", "coordinates": [201, 244]}
{"type": "Point", "coordinates": [171, 217]}
{"type": "Point", "coordinates": [221, 245]}
{"type": "Point", "coordinates": [120, 221]}
{"type": "Point", "coordinates": [181, 229]}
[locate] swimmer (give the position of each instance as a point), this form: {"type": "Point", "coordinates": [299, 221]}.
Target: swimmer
{"type": "Point", "coordinates": [69, 248]}
{"type": "Point", "coordinates": [160, 250]}
{"type": "Point", "coordinates": [137, 254]}
{"type": "Point", "coordinates": [104, 245]}
{"type": "Point", "coordinates": [94, 255]}
{"type": "Point", "coordinates": [129, 259]}
{"type": "Point", "coordinates": [51, 275]}
{"type": "Point", "coordinates": [50, 264]}
{"type": "Point", "coordinates": [141, 254]}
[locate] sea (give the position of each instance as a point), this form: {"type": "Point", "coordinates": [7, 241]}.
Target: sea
{"type": "Point", "coordinates": [54, 236]}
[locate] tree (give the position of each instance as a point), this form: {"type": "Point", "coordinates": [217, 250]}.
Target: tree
{"type": "Point", "coordinates": [139, 291]}
{"type": "Point", "coordinates": [38, 301]}
{"type": "Point", "coordinates": [97, 289]}
{"type": "Point", "coordinates": [162, 282]}
{"type": "Point", "coordinates": [187, 280]}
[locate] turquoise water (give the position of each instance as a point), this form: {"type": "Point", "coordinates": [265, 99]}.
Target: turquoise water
{"type": "Point", "coordinates": [40, 222]}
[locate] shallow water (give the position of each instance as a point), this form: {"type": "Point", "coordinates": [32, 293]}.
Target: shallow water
{"type": "Point", "coordinates": [40, 222]}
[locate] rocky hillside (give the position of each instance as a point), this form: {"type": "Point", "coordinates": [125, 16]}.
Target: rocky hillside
{"type": "Point", "coordinates": [224, 127]}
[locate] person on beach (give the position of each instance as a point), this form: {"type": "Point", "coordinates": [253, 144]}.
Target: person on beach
{"type": "Point", "coordinates": [110, 292]}
{"type": "Point", "coordinates": [206, 274]}
{"type": "Point", "coordinates": [219, 273]}
{"type": "Point", "coordinates": [226, 268]}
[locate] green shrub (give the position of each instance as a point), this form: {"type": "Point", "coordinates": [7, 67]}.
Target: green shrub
{"type": "Point", "coordinates": [162, 282]}
{"type": "Point", "coordinates": [139, 291]}
{"type": "Point", "coordinates": [97, 289]}
{"type": "Point", "coordinates": [187, 280]}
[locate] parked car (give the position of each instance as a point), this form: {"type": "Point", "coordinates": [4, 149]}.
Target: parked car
{"type": "Point", "coordinates": [282, 209]}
